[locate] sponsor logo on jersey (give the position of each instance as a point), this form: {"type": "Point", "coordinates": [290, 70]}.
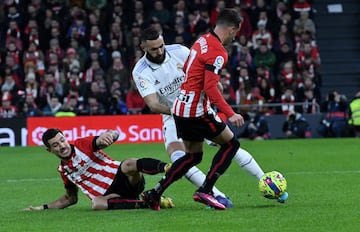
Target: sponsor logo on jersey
{"type": "Point", "coordinates": [219, 62]}
{"type": "Point", "coordinates": [142, 84]}
{"type": "Point", "coordinates": [179, 66]}
{"type": "Point", "coordinates": [172, 86]}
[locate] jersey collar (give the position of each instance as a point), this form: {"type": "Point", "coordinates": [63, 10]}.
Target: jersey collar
{"type": "Point", "coordinates": [214, 34]}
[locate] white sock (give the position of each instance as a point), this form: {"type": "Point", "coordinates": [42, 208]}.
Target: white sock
{"type": "Point", "coordinates": [194, 175]}
{"type": "Point", "coordinates": [248, 163]}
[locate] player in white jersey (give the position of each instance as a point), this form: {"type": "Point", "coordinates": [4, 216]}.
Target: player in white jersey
{"type": "Point", "coordinates": [158, 75]}
{"type": "Point", "coordinates": [108, 183]}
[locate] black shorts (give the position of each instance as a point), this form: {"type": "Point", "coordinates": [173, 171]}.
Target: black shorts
{"type": "Point", "coordinates": [122, 186]}
{"type": "Point", "coordinates": [197, 129]}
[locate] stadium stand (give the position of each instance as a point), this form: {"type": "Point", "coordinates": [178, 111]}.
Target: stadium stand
{"type": "Point", "coordinates": [76, 50]}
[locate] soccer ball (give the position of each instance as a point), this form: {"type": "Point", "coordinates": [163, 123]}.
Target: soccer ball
{"type": "Point", "coordinates": [272, 184]}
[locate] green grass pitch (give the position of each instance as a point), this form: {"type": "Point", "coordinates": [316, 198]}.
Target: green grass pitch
{"type": "Point", "coordinates": [323, 184]}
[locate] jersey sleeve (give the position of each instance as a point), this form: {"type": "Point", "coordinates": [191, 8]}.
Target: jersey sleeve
{"type": "Point", "coordinates": [67, 183]}
{"type": "Point", "coordinates": [86, 144]}
{"type": "Point", "coordinates": [143, 84]}
{"type": "Point", "coordinates": [213, 66]}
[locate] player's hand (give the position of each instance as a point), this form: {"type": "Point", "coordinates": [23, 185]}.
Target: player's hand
{"type": "Point", "coordinates": [34, 208]}
{"type": "Point", "coordinates": [237, 120]}
{"type": "Point", "coordinates": [107, 138]}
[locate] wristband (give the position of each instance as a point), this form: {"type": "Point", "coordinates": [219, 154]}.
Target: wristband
{"type": "Point", "coordinates": [45, 206]}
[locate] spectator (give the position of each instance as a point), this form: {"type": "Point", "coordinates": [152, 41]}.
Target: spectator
{"type": "Point", "coordinates": [14, 69]}
{"type": "Point", "coordinates": [58, 73]}
{"type": "Point", "coordinates": [74, 81]}
{"type": "Point", "coordinates": [266, 90]}
{"type": "Point", "coordinates": [93, 5]}
{"type": "Point", "coordinates": [54, 51]}
{"type": "Point", "coordinates": [296, 126]}
{"type": "Point", "coordinates": [80, 52]}
{"type": "Point", "coordinates": [14, 34]}
{"type": "Point", "coordinates": [118, 71]}
{"type": "Point", "coordinates": [29, 108]}
{"type": "Point", "coordinates": [262, 36]}
{"type": "Point", "coordinates": [246, 27]}
{"type": "Point", "coordinates": [94, 107]}
{"type": "Point", "coordinates": [257, 128]}
{"type": "Point", "coordinates": [287, 77]}
{"type": "Point", "coordinates": [33, 54]}
{"type": "Point", "coordinates": [78, 28]}
{"type": "Point", "coordinates": [285, 55]}
{"type": "Point", "coordinates": [117, 105]}
{"type": "Point", "coordinates": [334, 122]}
{"type": "Point", "coordinates": [242, 57]}
{"type": "Point", "coordinates": [214, 12]}
{"type": "Point", "coordinates": [94, 65]}
{"type": "Point", "coordinates": [309, 94]}
{"type": "Point", "coordinates": [287, 102]}
{"type": "Point", "coordinates": [70, 60]}
{"type": "Point", "coordinates": [31, 85]}
{"type": "Point", "coordinates": [301, 6]}
{"type": "Point", "coordinates": [243, 86]}
{"type": "Point", "coordinates": [7, 110]}
{"type": "Point", "coordinates": [254, 98]}
{"type": "Point", "coordinates": [159, 14]}
{"type": "Point", "coordinates": [10, 85]}
{"type": "Point", "coordinates": [134, 102]}
{"type": "Point", "coordinates": [54, 105]}
{"type": "Point", "coordinates": [308, 58]}
{"type": "Point", "coordinates": [304, 23]}
{"type": "Point", "coordinates": [264, 57]}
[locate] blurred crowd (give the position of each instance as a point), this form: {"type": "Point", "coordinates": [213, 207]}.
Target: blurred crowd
{"type": "Point", "coordinates": [74, 57]}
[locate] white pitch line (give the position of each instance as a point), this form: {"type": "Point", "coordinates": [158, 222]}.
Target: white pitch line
{"type": "Point", "coordinates": [323, 172]}
{"type": "Point", "coordinates": [287, 173]}
{"type": "Point", "coordinates": [32, 180]}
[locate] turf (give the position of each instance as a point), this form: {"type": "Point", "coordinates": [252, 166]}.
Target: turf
{"type": "Point", "coordinates": [322, 175]}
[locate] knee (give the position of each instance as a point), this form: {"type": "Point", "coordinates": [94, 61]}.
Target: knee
{"type": "Point", "coordinates": [128, 166]}
{"type": "Point", "coordinates": [234, 143]}
{"type": "Point", "coordinates": [99, 204]}
{"type": "Point", "coordinates": [196, 157]}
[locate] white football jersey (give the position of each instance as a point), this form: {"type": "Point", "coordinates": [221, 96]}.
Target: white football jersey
{"type": "Point", "coordinates": [163, 79]}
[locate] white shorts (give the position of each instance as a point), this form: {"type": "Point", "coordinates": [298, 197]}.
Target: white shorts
{"type": "Point", "coordinates": [169, 130]}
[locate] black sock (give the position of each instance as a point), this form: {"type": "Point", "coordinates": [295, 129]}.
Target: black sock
{"type": "Point", "coordinates": [150, 166]}
{"type": "Point", "coordinates": [178, 169]}
{"type": "Point", "coordinates": [220, 164]}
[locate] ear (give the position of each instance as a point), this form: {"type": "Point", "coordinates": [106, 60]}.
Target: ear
{"type": "Point", "coordinates": [142, 46]}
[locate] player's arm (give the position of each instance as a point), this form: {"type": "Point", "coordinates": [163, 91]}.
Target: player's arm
{"type": "Point", "coordinates": [212, 90]}
{"type": "Point", "coordinates": [152, 101]}
{"type": "Point", "coordinates": [70, 198]}
{"type": "Point", "coordinates": [105, 139]}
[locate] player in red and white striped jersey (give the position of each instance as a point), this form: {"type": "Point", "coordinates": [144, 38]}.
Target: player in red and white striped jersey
{"type": "Point", "coordinates": [193, 116]}
{"type": "Point", "coordinates": [110, 184]}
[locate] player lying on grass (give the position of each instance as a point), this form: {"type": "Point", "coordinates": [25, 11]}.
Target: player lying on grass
{"type": "Point", "coordinates": [108, 183]}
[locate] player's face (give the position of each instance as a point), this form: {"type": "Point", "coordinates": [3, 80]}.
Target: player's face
{"type": "Point", "coordinates": [60, 146]}
{"type": "Point", "coordinates": [155, 50]}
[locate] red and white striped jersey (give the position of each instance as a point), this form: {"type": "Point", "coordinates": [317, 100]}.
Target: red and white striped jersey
{"type": "Point", "coordinates": [202, 72]}
{"type": "Point", "coordinates": [92, 171]}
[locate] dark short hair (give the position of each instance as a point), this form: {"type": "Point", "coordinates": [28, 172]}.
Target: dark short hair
{"type": "Point", "coordinates": [49, 134]}
{"type": "Point", "coordinates": [149, 33]}
{"type": "Point", "coordinates": [229, 17]}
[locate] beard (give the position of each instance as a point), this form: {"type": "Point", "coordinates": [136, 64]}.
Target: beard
{"type": "Point", "coordinates": [157, 59]}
